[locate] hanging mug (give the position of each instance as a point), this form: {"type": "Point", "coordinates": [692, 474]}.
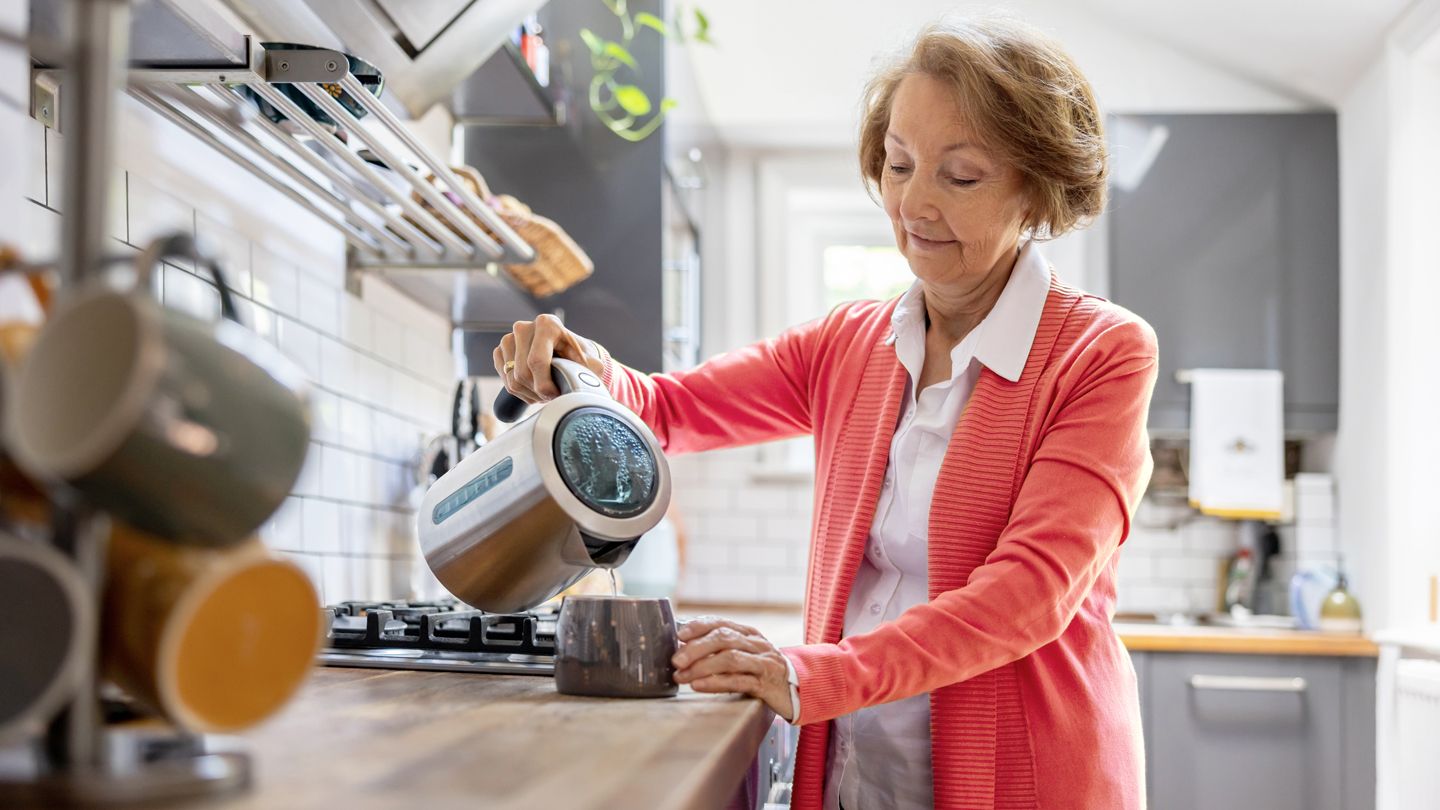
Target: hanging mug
{"type": "Point", "coordinates": [190, 430]}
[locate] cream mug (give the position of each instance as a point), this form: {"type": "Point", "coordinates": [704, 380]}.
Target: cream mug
{"type": "Point", "coordinates": [190, 430]}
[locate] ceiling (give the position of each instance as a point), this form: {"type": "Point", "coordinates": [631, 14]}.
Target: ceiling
{"type": "Point", "coordinates": [790, 73]}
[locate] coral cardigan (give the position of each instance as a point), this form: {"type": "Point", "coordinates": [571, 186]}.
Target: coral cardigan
{"type": "Point", "coordinates": [1033, 698]}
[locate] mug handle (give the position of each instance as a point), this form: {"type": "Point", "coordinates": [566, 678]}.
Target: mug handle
{"type": "Point", "coordinates": [182, 245]}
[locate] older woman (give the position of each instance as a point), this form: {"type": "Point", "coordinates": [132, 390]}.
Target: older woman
{"type": "Point", "coordinates": [980, 446]}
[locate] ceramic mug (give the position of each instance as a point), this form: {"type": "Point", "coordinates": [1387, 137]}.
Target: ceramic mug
{"type": "Point", "coordinates": [190, 430]}
{"type": "Point", "coordinates": [42, 646]}
{"type": "Point", "coordinates": [216, 640]}
{"type": "Point", "coordinates": [615, 646]}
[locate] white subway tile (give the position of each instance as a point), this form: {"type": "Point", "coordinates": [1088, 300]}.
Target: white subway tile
{"type": "Point", "coordinates": [229, 248]}
{"type": "Point", "coordinates": [39, 235]}
{"type": "Point", "coordinates": [273, 282]}
{"type": "Point", "coordinates": [392, 483]}
{"type": "Point", "coordinates": [14, 60]}
{"type": "Point", "coordinates": [309, 481]}
{"type": "Point", "coordinates": [283, 531]}
{"type": "Point", "coordinates": [1201, 597]}
{"type": "Point", "coordinates": [768, 500]}
{"type": "Point", "coordinates": [345, 475]}
{"type": "Point", "coordinates": [338, 577]}
{"type": "Point", "coordinates": [190, 294]}
{"type": "Point", "coordinates": [311, 565]}
{"type": "Point", "coordinates": [786, 588]}
{"type": "Point", "coordinates": [355, 427]}
{"type": "Point", "coordinates": [389, 337]}
{"type": "Point", "coordinates": [1153, 598]}
{"type": "Point", "coordinates": [731, 586]}
{"type": "Point", "coordinates": [764, 557]}
{"type": "Point", "coordinates": [301, 344]}
{"type": "Point", "coordinates": [337, 365]}
{"type": "Point", "coordinates": [357, 530]}
{"type": "Point", "coordinates": [785, 529]}
{"type": "Point", "coordinates": [1214, 536]}
{"type": "Point", "coordinates": [116, 224]}
{"type": "Point", "coordinates": [709, 555]}
{"type": "Point", "coordinates": [1316, 540]}
{"type": "Point", "coordinates": [355, 322]}
{"type": "Point", "coordinates": [321, 524]}
{"type": "Point", "coordinates": [1186, 569]}
{"type": "Point", "coordinates": [732, 528]}
{"type": "Point", "coordinates": [1135, 566]}
{"type": "Point", "coordinates": [259, 320]}
{"type": "Point", "coordinates": [716, 499]}
{"type": "Point", "coordinates": [36, 175]}
{"type": "Point", "coordinates": [319, 304]}
{"type": "Point", "coordinates": [155, 213]}
{"type": "Point", "coordinates": [326, 426]}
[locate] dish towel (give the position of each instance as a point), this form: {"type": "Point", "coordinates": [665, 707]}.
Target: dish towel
{"type": "Point", "coordinates": [1237, 442]}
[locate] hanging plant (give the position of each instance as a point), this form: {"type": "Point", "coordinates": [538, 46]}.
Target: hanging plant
{"type": "Point", "coordinates": [620, 104]}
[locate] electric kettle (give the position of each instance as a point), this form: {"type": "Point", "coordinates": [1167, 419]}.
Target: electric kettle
{"type": "Point", "coordinates": [569, 489]}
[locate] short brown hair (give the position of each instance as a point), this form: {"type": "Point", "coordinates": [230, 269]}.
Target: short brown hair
{"type": "Point", "coordinates": [1024, 97]}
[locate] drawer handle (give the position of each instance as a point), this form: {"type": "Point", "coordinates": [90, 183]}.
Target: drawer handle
{"type": "Point", "coordinates": [1240, 683]}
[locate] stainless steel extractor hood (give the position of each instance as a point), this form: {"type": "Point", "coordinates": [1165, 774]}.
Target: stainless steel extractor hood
{"type": "Point", "coordinates": [425, 48]}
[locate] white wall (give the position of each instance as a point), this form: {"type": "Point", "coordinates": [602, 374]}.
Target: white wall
{"type": "Point", "coordinates": [380, 365]}
{"type": "Point", "coordinates": [1388, 441]}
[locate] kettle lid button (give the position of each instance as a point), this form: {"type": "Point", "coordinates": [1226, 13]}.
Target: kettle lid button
{"type": "Point", "coordinates": [588, 378]}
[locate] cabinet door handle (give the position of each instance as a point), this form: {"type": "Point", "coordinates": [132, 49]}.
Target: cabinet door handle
{"type": "Point", "coordinates": [1241, 683]}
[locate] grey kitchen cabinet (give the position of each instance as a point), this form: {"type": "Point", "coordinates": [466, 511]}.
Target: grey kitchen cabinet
{"type": "Point", "coordinates": [1223, 233]}
{"type": "Point", "coordinates": [604, 191]}
{"type": "Point", "coordinates": [1253, 732]}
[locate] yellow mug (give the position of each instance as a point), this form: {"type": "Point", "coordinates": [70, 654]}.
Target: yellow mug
{"type": "Point", "coordinates": [216, 640]}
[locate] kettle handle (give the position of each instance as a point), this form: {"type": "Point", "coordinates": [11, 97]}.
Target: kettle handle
{"type": "Point", "coordinates": [569, 377]}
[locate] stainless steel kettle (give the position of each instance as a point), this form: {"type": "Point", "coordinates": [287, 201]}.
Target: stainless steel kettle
{"type": "Point", "coordinates": [569, 489]}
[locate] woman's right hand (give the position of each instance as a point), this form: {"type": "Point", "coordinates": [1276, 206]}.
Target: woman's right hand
{"type": "Point", "coordinates": [523, 357]}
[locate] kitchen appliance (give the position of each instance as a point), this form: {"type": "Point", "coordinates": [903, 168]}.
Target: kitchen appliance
{"type": "Point", "coordinates": [568, 490]}
{"type": "Point", "coordinates": [443, 635]}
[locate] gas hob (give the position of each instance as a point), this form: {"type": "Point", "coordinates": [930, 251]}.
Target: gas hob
{"type": "Point", "coordinates": [443, 635]}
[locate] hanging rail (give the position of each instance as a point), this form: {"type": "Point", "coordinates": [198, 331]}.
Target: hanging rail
{"type": "Point", "coordinates": [306, 161]}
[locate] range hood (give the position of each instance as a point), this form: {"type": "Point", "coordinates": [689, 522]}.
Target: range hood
{"type": "Point", "coordinates": [425, 48]}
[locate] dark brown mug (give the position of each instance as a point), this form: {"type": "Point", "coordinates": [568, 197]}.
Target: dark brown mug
{"type": "Point", "coordinates": [615, 646]}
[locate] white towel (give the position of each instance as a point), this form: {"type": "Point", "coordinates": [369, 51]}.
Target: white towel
{"type": "Point", "coordinates": [1237, 442]}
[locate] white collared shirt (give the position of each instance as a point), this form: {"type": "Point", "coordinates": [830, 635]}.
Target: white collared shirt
{"type": "Point", "coordinates": [880, 756]}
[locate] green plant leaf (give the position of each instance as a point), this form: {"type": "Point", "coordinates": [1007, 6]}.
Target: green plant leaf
{"type": "Point", "coordinates": [594, 43]}
{"type": "Point", "coordinates": [649, 20]}
{"type": "Point", "coordinates": [702, 23]}
{"type": "Point", "coordinates": [616, 6]}
{"type": "Point", "coordinates": [668, 104]}
{"type": "Point", "coordinates": [633, 99]}
{"type": "Point", "coordinates": [616, 51]}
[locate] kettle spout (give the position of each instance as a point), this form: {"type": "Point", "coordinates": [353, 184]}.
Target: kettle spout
{"type": "Point", "coordinates": [607, 553]}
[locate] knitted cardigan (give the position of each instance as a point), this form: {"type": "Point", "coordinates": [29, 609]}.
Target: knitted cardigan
{"type": "Point", "coordinates": [1033, 698]}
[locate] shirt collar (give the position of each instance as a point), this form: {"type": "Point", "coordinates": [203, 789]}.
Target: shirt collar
{"type": "Point", "coordinates": [1002, 340]}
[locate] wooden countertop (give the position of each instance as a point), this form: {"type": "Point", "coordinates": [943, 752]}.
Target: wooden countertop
{"type": "Point", "coordinates": [361, 738]}
{"type": "Point", "coordinates": [1242, 640]}
{"type": "Point", "coordinates": [782, 626]}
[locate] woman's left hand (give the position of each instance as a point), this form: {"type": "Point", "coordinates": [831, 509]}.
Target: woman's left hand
{"type": "Point", "coordinates": [718, 655]}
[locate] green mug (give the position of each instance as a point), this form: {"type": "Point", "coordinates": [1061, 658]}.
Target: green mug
{"type": "Point", "coordinates": [190, 430]}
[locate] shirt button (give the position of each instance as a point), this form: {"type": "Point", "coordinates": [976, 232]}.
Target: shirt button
{"type": "Point", "coordinates": [875, 608]}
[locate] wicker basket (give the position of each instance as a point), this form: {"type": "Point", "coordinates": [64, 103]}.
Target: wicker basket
{"type": "Point", "coordinates": [559, 263]}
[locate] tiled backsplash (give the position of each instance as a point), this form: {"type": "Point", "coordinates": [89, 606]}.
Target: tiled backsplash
{"type": "Point", "coordinates": [381, 365]}
{"type": "Point", "coordinates": [747, 536]}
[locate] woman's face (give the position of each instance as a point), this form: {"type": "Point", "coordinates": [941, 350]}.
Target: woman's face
{"type": "Point", "coordinates": [956, 209]}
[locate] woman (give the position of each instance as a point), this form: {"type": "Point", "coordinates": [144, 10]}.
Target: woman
{"type": "Point", "coordinates": [980, 446]}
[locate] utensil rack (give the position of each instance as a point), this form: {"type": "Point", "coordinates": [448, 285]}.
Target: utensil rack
{"type": "Point", "coordinates": [307, 162]}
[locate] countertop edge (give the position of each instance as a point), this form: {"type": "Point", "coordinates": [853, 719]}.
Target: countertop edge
{"type": "Point", "coordinates": [1250, 643]}
{"type": "Point", "coordinates": [717, 779]}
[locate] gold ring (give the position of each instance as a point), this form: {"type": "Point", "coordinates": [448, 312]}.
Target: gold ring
{"type": "Point", "coordinates": [509, 364]}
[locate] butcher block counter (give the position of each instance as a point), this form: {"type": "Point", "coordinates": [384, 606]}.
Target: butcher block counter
{"type": "Point", "coordinates": [361, 738]}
